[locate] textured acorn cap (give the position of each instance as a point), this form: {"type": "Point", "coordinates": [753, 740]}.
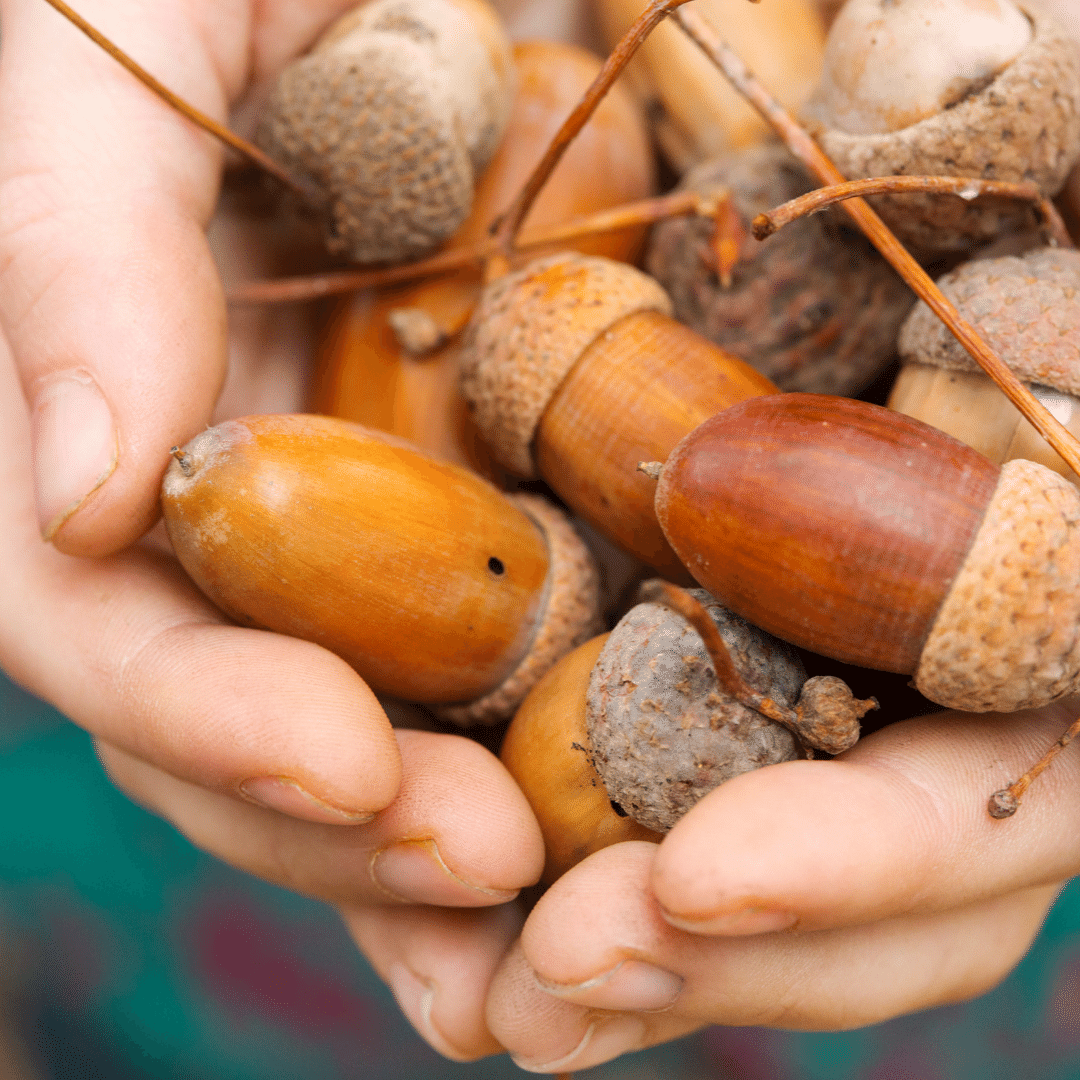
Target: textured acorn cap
{"type": "Point", "coordinates": [1027, 307]}
{"type": "Point", "coordinates": [528, 331]}
{"type": "Point", "coordinates": [1025, 125]}
{"type": "Point", "coordinates": [390, 118]}
{"type": "Point", "coordinates": [571, 615]}
{"type": "Point", "coordinates": [663, 733]}
{"type": "Point", "coordinates": [814, 307]}
{"type": "Point", "coordinates": [1008, 634]}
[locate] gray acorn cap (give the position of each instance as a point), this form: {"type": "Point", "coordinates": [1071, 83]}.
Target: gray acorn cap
{"type": "Point", "coordinates": [390, 118]}
{"type": "Point", "coordinates": [663, 733]}
{"type": "Point", "coordinates": [1027, 307]}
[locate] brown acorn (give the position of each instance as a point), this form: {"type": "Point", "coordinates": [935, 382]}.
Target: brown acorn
{"type": "Point", "coordinates": [1028, 309]}
{"type": "Point", "coordinates": [432, 584]}
{"type": "Point", "coordinates": [813, 308]}
{"type": "Point", "coordinates": [390, 119]}
{"type": "Point", "coordinates": [575, 372]}
{"type": "Point", "coordinates": [872, 538]}
{"type": "Point", "coordinates": [364, 372]}
{"type": "Point", "coordinates": [963, 88]}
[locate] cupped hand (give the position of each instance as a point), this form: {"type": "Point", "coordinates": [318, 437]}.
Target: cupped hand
{"type": "Point", "coordinates": [812, 895]}
{"type": "Point", "coordinates": [267, 751]}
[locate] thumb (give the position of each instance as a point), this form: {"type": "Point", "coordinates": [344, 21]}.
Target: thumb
{"type": "Point", "coordinates": [108, 291]}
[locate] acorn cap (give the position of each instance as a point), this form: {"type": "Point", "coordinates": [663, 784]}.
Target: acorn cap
{"type": "Point", "coordinates": [571, 615]}
{"type": "Point", "coordinates": [1006, 635]}
{"type": "Point", "coordinates": [663, 733]}
{"type": "Point", "coordinates": [1025, 125]}
{"type": "Point", "coordinates": [528, 331]}
{"type": "Point", "coordinates": [390, 118]}
{"type": "Point", "coordinates": [814, 307]}
{"type": "Point", "coordinates": [1027, 307]}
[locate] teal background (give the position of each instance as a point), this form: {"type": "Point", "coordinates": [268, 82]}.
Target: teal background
{"type": "Point", "coordinates": [133, 956]}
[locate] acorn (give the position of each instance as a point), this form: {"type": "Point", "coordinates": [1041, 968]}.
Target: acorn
{"type": "Point", "coordinates": [433, 585]}
{"type": "Point", "coordinates": [390, 119]}
{"type": "Point", "coordinates": [626, 734]}
{"type": "Point", "coordinates": [1028, 308]}
{"type": "Point", "coordinates": [978, 88]}
{"type": "Point", "coordinates": [365, 372]}
{"type": "Point", "coordinates": [813, 308]}
{"type": "Point", "coordinates": [869, 537]}
{"type": "Point", "coordinates": [575, 371]}
{"type": "Point", "coordinates": [696, 112]}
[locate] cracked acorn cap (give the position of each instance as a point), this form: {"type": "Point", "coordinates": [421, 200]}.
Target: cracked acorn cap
{"type": "Point", "coordinates": [1028, 309]}
{"type": "Point", "coordinates": [814, 307]}
{"type": "Point", "coordinates": [390, 118]}
{"type": "Point", "coordinates": [1001, 105]}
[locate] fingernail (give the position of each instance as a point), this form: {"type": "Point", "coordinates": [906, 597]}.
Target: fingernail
{"type": "Point", "coordinates": [416, 998]}
{"type": "Point", "coordinates": [286, 796]}
{"type": "Point", "coordinates": [413, 871]}
{"type": "Point", "coordinates": [742, 923]}
{"type": "Point", "coordinates": [630, 986]}
{"type": "Point", "coordinates": [75, 447]}
{"type": "Point", "coordinates": [603, 1040]}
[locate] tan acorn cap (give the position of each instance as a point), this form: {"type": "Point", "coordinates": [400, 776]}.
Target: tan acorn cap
{"type": "Point", "coordinates": [1024, 126]}
{"type": "Point", "coordinates": [1008, 634]}
{"type": "Point", "coordinates": [528, 331]}
{"type": "Point", "coordinates": [571, 616]}
{"type": "Point", "coordinates": [1027, 307]}
{"type": "Point", "coordinates": [391, 117]}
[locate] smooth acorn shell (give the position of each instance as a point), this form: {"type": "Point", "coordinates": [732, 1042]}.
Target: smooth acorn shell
{"type": "Point", "coordinates": [833, 524]}
{"type": "Point", "coordinates": [547, 752]}
{"type": "Point", "coordinates": [420, 575]}
{"type": "Point", "coordinates": [634, 393]}
{"type": "Point", "coordinates": [364, 375]}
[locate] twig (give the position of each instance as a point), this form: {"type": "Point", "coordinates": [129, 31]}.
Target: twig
{"type": "Point", "coordinates": [509, 225]}
{"type": "Point", "coordinates": [811, 155]}
{"type": "Point", "coordinates": [219, 131]}
{"type": "Point", "coordinates": [766, 224]}
{"type": "Point", "coordinates": [1005, 803]}
{"type": "Point", "coordinates": [645, 212]}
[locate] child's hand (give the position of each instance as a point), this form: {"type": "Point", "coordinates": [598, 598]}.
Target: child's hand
{"type": "Point", "coordinates": [809, 895]}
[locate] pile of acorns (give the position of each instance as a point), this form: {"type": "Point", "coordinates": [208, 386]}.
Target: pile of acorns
{"type": "Point", "coordinates": [838, 526]}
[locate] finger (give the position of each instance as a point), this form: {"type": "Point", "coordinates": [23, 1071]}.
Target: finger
{"type": "Point", "coordinates": [458, 834]}
{"type": "Point", "coordinates": [601, 972]}
{"type": "Point", "coordinates": [108, 294]}
{"type": "Point", "coordinates": [128, 649]}
{"type": "Point", "coordinates": [899, 824]}
{"type": "Point", "coordinates": [439, 965]}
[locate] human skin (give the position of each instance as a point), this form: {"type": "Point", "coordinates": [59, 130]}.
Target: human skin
{"type": "Point", "coordinates": [116, 345]}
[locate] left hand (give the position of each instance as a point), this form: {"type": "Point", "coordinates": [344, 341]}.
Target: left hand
{"type": "Point", "coordinates": [813, 895]}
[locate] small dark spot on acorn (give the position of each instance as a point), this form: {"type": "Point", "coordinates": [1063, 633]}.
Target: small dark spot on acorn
{"type": "Point", "coordinates": [496, 566]}
{"type": "Point", "coordinates": [618, 809]}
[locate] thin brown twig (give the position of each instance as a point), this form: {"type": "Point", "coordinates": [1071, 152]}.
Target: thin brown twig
{"type": "Point", "coordinates": [963, 187]}
{"type": "Point", "coordinates": [208, 124]}
{"type": "Point", "coordinates": [799, 142]}
{"type": "Point", "coordinates": [509, 225]}
{"type": "Point", "coordinates": [1005, 803]}
{"type": "Point", "coordinates": [645, 212]}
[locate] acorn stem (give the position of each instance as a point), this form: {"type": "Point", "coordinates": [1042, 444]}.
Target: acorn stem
{"type": "Point", "coordinates": [644, 212]}
{"type": "Point", "coordinates": [766, 224]}
{"type": "Point", "coordinates": [799, 142]}
{"type": "Point", "coordinates": [830, 725]}
{"type": "Point", "coordinates": [182, 459]}
{"type": "Point", "coordinates": [200, 119]}
{"type": "Point", "coordinates": [508, 226]}
{"type": "Point", "coordinates": [1005, 803]}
